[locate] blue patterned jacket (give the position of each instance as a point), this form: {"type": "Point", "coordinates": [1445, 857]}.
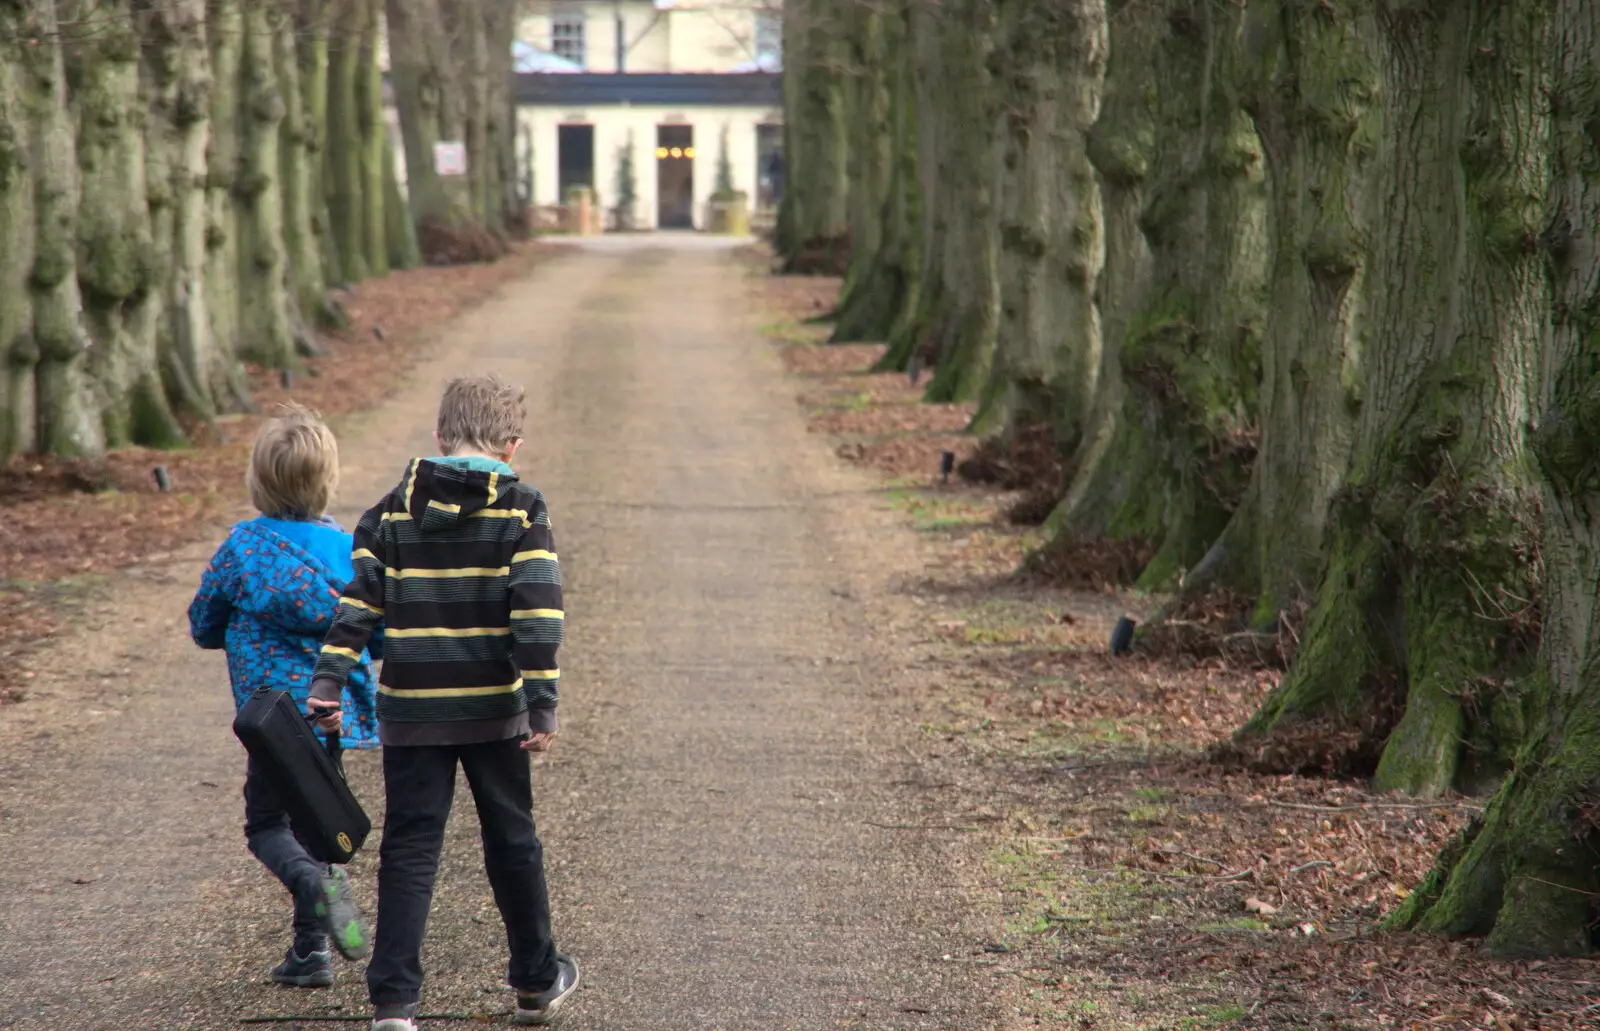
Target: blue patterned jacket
{"type": "Point", "coordinates": [268, 597]}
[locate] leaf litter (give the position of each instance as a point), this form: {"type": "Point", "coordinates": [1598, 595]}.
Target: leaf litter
{"type": "Point", "coordinates": [1143, 885]}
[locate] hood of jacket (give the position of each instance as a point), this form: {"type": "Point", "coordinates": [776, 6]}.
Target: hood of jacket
{"type": "Point", "coordinates": [283, 584]}
{"type": "Point", "coordinates": [440, 492]}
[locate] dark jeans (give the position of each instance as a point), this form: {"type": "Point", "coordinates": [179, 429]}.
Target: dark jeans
{"type": "Point", "coordinates": [272, 839]}
{"type": "Point", "coordinates": [419, 783]}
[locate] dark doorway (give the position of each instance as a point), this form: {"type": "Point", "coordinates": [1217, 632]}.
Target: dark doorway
{"type": "Point", "coordinates": [769, 166]}
{"type": "Point", "coordinates": [574, 158]}
{"type": "Point", "coordinates": [675, 176]}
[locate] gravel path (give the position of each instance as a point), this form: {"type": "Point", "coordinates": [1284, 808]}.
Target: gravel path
{"type": "Point", "coordinates": [714, 812]}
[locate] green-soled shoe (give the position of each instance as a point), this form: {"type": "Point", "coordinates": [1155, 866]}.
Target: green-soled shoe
{"type": "Point", "coordinates": [336, 909]}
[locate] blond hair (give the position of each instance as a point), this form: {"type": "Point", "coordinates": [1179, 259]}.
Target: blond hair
{"type": "Point", "coordinates": [294, 465]}
{"type": "Point", "coordinates": [480, 413]}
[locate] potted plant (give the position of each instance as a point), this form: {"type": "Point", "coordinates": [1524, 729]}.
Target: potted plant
{"type": "Point", "coordinates": [730, 208]}
{"type": "Point", "coordinates": [627, 188]}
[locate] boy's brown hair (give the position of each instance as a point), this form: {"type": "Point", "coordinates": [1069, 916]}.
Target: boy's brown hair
{"type": "Point", "coordinates": [480, 413]}
{"type": "Point", "coordinates": [294, 465]}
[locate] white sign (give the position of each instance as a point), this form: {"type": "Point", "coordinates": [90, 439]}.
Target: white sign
{"type": "Point", "coordinates": [450, 158]}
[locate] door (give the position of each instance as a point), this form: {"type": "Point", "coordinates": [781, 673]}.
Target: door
{"type": "Point", "coordinates": [574, 157]}
{"type": "Point", "coordinates": [769, 165]}
{"type": "Point", "coordinates": [675, 176]}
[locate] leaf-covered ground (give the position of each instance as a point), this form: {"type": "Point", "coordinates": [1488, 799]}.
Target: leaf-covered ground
{"type": "Point", "coordinates": [66, 525]}
{"type": "Point", "coordinates": [1140, 886]}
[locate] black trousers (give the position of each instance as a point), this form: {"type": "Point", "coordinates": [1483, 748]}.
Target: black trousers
{"type": "Point", "coordinates": [419, 783]}
{"type": "Point", "coordinates": [274, 841]}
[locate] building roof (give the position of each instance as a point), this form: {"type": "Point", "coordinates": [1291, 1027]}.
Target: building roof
{"type": "Point", "coordinates": [656, 89]}
{"type": "Point", "coordinates": [528, 59]}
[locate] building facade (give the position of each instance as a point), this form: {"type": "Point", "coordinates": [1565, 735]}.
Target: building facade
{"type": "Point", "coordinates": [656, 91]}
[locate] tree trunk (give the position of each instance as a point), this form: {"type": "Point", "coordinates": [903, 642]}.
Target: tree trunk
{"type": "Point", "coordinates": [300, 152]}
{"type": "Point", "coordinates": [866, 309]}
{"type": "Point", "coordinates": [466, 28]}
{"type": "Point", "coordinates": [265, 334]}
{"type": "Point", "coordinates": [400, 236]}
{"type": "Point", "coordinates": [225, 38]}
{"type": "Point", "coordinates": [431, 109]}
{"type": "Point", "coordinates": [119, 270]}
{"type": "Point", "coordinates": [67, 423]}
{"type": "Point", "coordinates": [1049, 68]}
{"type": "Point", "coordinates": [374, 138]}
{"type": "Point", "coordinates": [1423, 605]}
{"type": "Point", "coordinates": [502, 35]}
{"type": "Point", "coordinates": [1190, 353]}
{"type": "Point", "coordinates": [313, 23]}
{"type": "Point", "coordinates": [19, 354]}
{"type": "Point", "coordinates": [1524, 874]}
{"type": "Point", "coordinates": [816, 151]}
{"type": "Point", "coordinates": [1114, 459]}
{"type": "Point", "coordinates": [962, 333]}
{"type": "Point", "coordinates": [177, 84]}
{"type": "Point", "coordinates": [346, 147]}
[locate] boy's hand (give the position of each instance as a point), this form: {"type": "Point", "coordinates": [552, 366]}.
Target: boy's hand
{"type": "Point", "coordinates": [538, 742]}
{"type": "Point", "coordinates": [333, 719]}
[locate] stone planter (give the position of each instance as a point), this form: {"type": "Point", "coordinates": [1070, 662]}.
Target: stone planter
{"type": "Point", "coordinates": [581, 213]}
{"type": "Point", "coordinates": [729, 214]}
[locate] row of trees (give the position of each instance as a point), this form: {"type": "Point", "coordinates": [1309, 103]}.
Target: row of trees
{"type": "Point", "coordinates": [183, 182]}
{"type": "Point", "coordinates": [1306, 294]}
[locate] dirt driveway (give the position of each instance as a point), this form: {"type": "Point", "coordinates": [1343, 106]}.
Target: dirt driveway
{"type": "Point", "coordinates": [731, 840]}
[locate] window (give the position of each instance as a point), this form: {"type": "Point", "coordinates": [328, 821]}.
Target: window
{"type": "Point", "coordinates": [566, 37]}
{"type": "Point", "coordinates": [769, 36]}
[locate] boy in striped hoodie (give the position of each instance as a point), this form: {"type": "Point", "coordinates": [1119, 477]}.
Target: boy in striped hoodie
{"type": "Point", "coordinates": [457, 564]}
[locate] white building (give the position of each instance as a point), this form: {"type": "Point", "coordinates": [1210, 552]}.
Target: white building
{"type": "Point", "coordinates": [669, 82]}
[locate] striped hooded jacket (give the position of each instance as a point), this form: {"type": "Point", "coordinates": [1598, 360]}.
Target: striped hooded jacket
{"type": "Point", "coordinates": [458, 566]}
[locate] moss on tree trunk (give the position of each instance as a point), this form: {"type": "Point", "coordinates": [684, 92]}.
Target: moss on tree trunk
{"type": "Point", "coordinates": [400, 235]}
{"type": "Point", "coordinates": [345, 151]}
{"type": "Point", "coordinates": [225, 39]}
{"type": "Point", "coordinates": [1049, 69]}
{"type": "Point", "coordinates": [64, 413]}
{"type": "Point", "coordinates": [1113, 457]}
{"type": "Point", "coordinates": [265, 334]}
{"type": "Point", "coordinates": [119, 270]}
{"type": "Point", "coordinates": [313, 22]}
{"type": "Point", "coordinates": [866, 306]}
{"type": "Point", "coordinates": [19, 355]}
{"type": "Point", "coordinates": [299, 152]}
{"type": "Point", "coordinates": [374, 138]}
{"type": "Point", "coordinates": [1429, 572]}
{"type": "Point", "coordinates": [1525, 875]}
{"type": "Point", "coordinates": [961, 339]}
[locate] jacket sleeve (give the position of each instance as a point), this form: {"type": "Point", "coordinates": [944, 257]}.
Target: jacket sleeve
{"type": "Point", "coordinates": [536, 617]}
{"type": "Point", "coordinates": [213, 602]}
{"type": "Point", "coordinates": [361, 607]}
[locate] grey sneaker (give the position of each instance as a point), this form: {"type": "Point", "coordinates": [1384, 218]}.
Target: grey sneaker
{"type": "Point", "coordinates": [336, 908]}
{"type": "Point", "coordinates": [395, 1018]}
{"type": "Point", "coordinates": [312, 970]}
{"type": "Point", "coordinates": [543, 1007]}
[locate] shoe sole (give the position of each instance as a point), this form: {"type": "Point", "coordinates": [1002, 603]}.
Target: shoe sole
{"type": "Point", "coordinates": [348, 937]}
{"type": "Point", "coordinates": [324, 979]}
{"type": "Point", "coordinates": [538, 1018]}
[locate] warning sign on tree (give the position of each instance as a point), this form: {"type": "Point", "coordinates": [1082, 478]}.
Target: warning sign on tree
{"type": "Point", "coordinates": [450, 158]}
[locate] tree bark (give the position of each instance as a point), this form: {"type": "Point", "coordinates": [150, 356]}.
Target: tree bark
{"type": "Point", "coordinates": [400, 236]}
{"type": "Point", "coordinates": [66, 420]}
{"type": "Point", "coordinates": [466, 28]}
{"type": "Point", "coordinates": [915, 190]}
{"type": "Point", "coordinates": [961, 336]}
{"type": "Point", "coordinates": [265, 334]}
{"type": "Point", "coordinates": [1048, 68]}
{"type": "Point", "coordinates": [177, 84]}
{"type": "Point", "coordinates": [816, 188]}
{"type": "Point", "coordinates": [119, 270]}
{"type": "Point", "coordinates": [300, 152]}
{"type": "Point", "coordinates": [225, 39]}
{"type": "Point", "coordinates": [346, 147]}
{"type": "Point", "coordinates": [374, 138]}
{"type": "Point", "coordinates": [1423, 603]}
{"type": "Point", "coordinates": [20, 354]}
{"type": "Point", "coordinates": [506, 208]}
{"type": "Point", "coordinates": [1525, 874]}
{"type": "Point", "coordinates": [431, 108]}
{"type": "Point", "coordinates": [866, 309]}
{"type": "Point", "coordinates": [1114, 458]}
{"type": "Point", "coordinates": [313, 23]}
{"type": "Point", "coordinates": [1191, 351]}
